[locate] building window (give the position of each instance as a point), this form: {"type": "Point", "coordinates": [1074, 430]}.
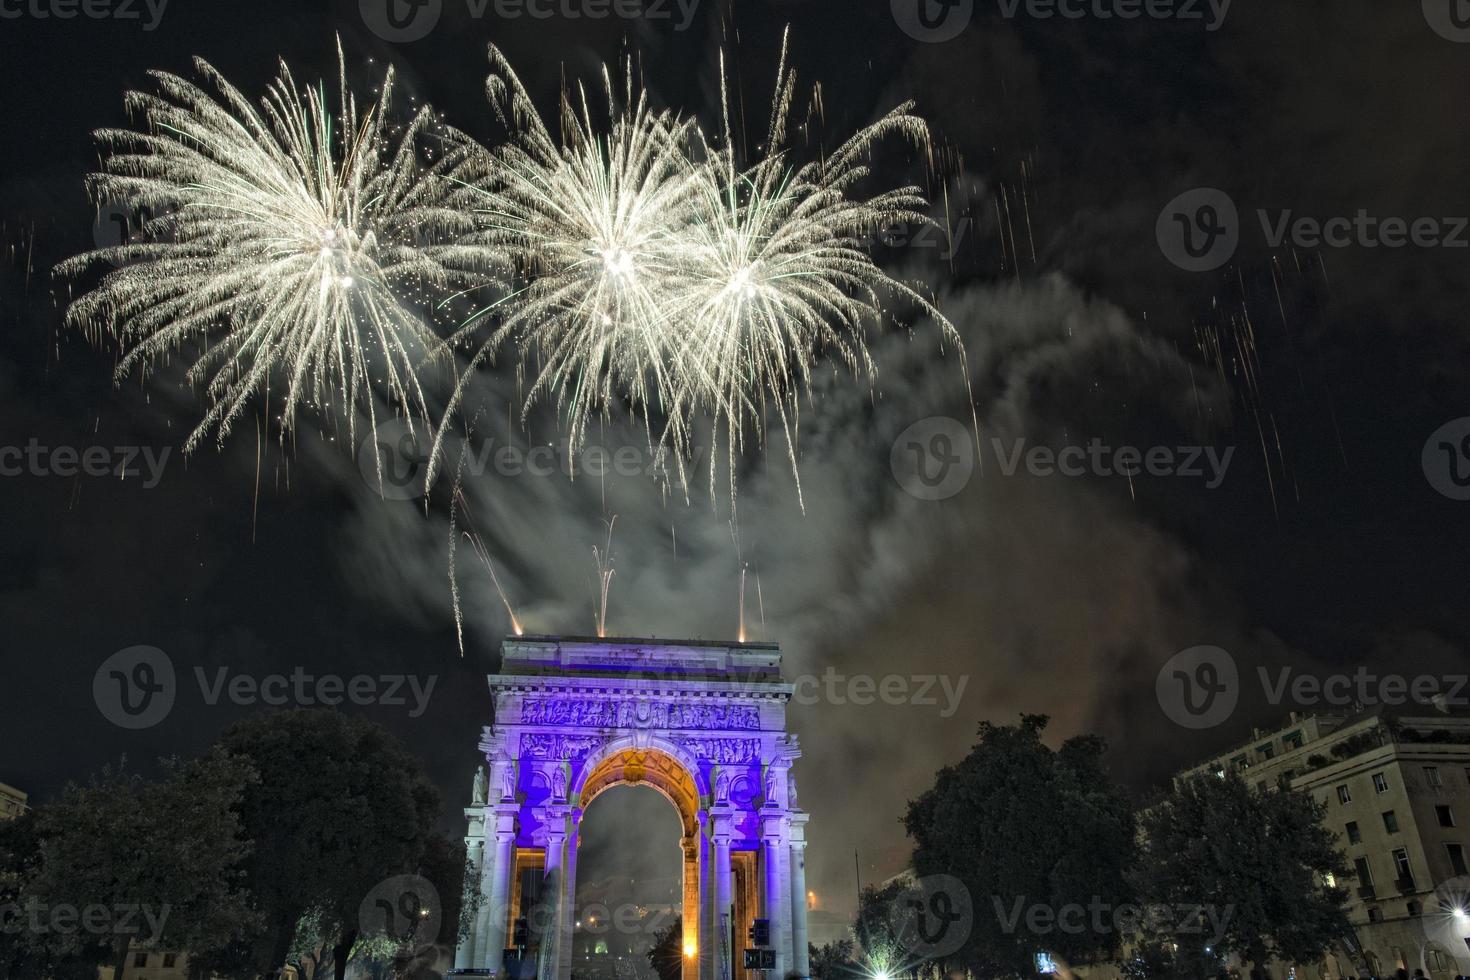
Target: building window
{"type": "Point", "coordinates": [1241, 761]}
{"type": "Point", "coordinates": [1401, 864]}
{"type": "Point", "coordinates": [1354, 837]}
{"type": "Point", "coordinates": [1457, 858]}
{"type": "Point", "coordinates": [1439, 960]}
{"type": "Point", "coordinates": [1431, 776]}
{"type": "Point", "coordinates": [169, 959]}
{"type": "Point", "coordinates": [1292, 741]}
{"type": "Point", "coordinates": [1380, 783]}
{"type": "Point", "coordinates": [1375, 915]}
{"type": "Point", "coordinates": [1445, 814]}
{"type": "Point", "coordinates": [1343, 796]}
{"type": "Point", "coordinates": [1365, 873]}
{"type": "Point", "coordinates": [1390, 822]}
{"type": "Point", "coordinates": [1261, 786]}
{"type": "Point", "coordinates": [1413, 908]}
{"type": "Point", "coordinates": [1265, 751]}
{"type": "Point", "coordinates": [140, 959]}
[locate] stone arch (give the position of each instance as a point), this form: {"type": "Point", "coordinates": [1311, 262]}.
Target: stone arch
{"type": "Point", "coordinates": [653, 762]}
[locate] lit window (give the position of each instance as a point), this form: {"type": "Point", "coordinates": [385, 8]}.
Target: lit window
{"type": "Point", "coordinates": [1380, 782]}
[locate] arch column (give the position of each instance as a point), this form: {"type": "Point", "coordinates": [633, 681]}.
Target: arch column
{"type": "Point", "coordinates": [721, 833]}
{"type": "Point", "coordinates": [800, 951]}
{"type": "Point", "coordinates": [776, 888]}
{"type": "Point", "coordinates": [690, 907]}
{"type": "Point", "coordinates": [552, 893]}
{"type": "Point", "coordinates": [567, 918]}
{"type": "Point", "coordinates": [464, 952]}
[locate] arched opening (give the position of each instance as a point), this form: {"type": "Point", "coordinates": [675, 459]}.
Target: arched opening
{"type": "Point", "coordinates": [630, 882]}
{"type": "Point", "coordinates": [620, 775]}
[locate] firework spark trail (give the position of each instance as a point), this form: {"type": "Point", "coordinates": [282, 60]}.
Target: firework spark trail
{"type": "Point", "coordinates": [604, 561]}
{"type": "Point", "coordinates": [289, 241]}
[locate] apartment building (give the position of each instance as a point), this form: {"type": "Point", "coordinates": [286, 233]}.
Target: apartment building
{"type": "Point", "coordinates": [12, 802]}
{"type": "Point", "coordinates": [1396, 787]}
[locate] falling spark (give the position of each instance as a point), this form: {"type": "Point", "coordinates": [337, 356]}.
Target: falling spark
{"type": "Point", "coordinates": [460, 510]}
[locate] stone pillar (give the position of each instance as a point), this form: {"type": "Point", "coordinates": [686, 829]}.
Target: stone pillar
{"type": "Point", "coordinates": [551, 897]}
{"type": "Point", "coordinates": [567, 919]}
{"type": "Point", "coordinates": [464, 953]}
{"type": "Point", "coordinates": [708, 947]}
{"type": "Point", "coordinates": [776, 893]}
{"type": "Point", "coordinates": [691, 907]}
{"type": "Point", "coordinates": [720, 835]}
{"type": "Point", "coordinates": [800, 959]}
{"type": "Point", "coordinates": [497, 902]}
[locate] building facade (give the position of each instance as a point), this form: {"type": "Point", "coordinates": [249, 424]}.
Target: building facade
{"type": "Point", "coordinates": [1396, 788]}
{"type": "Point", "coordinates": [12, 802]}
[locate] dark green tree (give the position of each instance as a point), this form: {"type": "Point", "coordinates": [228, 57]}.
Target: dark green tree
{"type": "Point", "coordinates": [339, 808]}
{"type": "Point", "coordinates": [666, 956]}
{"type": "Point", "coordinates": [160, 857]}
{"type": "Point", "coordinates": [834, 960]}
{"type": "Point", "coordinates": [1261, 857]}
{"type": "Point", "coordinates": [1027, 828]}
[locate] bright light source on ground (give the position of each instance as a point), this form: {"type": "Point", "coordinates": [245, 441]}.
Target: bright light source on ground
{"type": "Point", "coordinates": [689, 950]}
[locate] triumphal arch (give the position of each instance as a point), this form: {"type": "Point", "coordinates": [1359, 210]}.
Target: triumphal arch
{"type": "Point", "coordinates": [702, 723]}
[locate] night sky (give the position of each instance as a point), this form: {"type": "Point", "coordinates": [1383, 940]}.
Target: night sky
{"type": "Point", "coordinates": [1326, 546]}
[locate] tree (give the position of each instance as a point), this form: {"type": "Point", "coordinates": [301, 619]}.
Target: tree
{"type": "Point", "coordinates": [135, 857]}
{"type": "Point", "coordinates": [1027, 830]}
{"type": "Point", "coordinates": [1258, 860]}
{"type": "Point", "coordinates": [340, 807]}
{"type": "Point", "coordinates": [667, 953]}
{"type": "Point", "coordinates": [833, 961]}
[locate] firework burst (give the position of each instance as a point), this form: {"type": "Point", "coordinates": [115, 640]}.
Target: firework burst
{"type": "Point", "coordinates": [656, 269]}
{"type": "Point", "coordinates": [289, 246]}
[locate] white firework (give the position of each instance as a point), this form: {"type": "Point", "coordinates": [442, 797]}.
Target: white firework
{"type": "Point", "coordinates": [777, 271]}
{"type": "Point", "coordinates": [655, 270]}
{"type": "Point", "coordinates": [592, 227]}
{"type": "Point", "coordinates": [290, 246]}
